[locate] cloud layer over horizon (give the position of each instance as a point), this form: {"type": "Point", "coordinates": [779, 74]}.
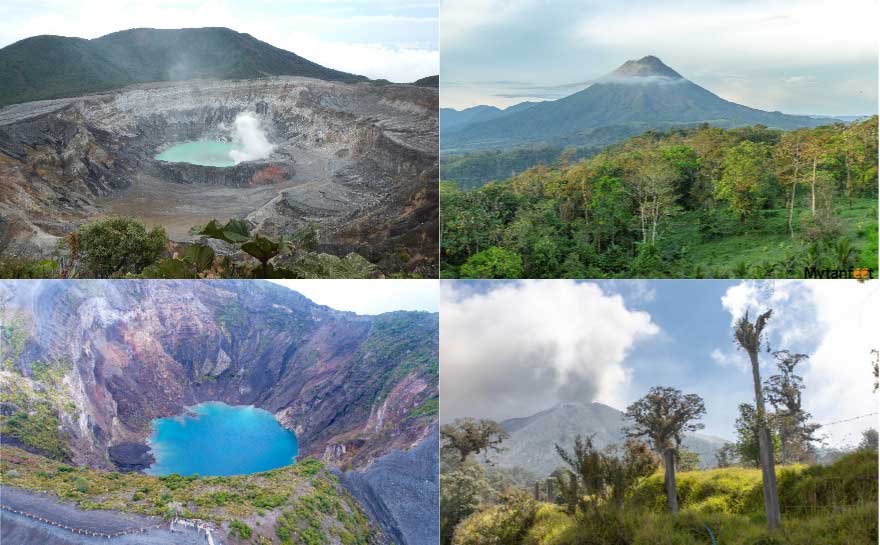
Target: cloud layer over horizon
{"type": "Point", "coordinates": [796, 56]}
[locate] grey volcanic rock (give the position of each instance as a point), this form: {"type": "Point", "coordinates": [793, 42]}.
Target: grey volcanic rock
{"type": "Point", "coordinates": [346, 384]}
{"type": "Point", "coordinates": [645, 67]}
{"type": "Point", "coordinates": [373, 148]}
{"type": "Point", "coordinates": [131, 456]}
{"type": "Point", "coordinates": [531, 440]}
{"type": "Point", "coordinates": [394, 484]}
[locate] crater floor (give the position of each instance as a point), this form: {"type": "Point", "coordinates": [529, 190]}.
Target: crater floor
{"type": "Point", "coordinates": [178, 207]}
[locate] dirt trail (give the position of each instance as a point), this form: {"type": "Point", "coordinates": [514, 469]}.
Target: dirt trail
{"type": "Point", "coordinates": [34, 518]}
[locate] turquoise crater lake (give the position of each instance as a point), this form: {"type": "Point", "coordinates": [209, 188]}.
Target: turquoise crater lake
{"type": "Point", "coordinates": [209, 153]}
{"type": "Point", "coordinates": [218, 439]}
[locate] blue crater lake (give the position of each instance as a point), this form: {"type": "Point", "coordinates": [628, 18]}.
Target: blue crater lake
{"type": "Point", "coordinates": [219, 439]}
{"type": "Point", "coordinates": [209, 153]}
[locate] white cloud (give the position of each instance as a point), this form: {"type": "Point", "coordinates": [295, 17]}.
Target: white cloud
{"type": "Point", "coordinates": [835, 323]}
{"type": "Point", "coordinates": [523, 346]}
{"type": "Point", "coordinates": [730, 359]}
{"type": "Point", "coordinates": [370, 296]}
{"type": "Point", "coordinates": [797, 32]}
{"type": "Point", "coordinates": [399, 64]}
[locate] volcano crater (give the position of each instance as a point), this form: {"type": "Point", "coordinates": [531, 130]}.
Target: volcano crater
{"type": "Point", "coordinates": [359, 160]}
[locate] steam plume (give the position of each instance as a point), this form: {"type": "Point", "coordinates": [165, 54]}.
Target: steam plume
{"type": "Point", "coordinates": [249, 139]}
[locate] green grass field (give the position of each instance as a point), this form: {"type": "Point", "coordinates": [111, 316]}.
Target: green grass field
{"type": "Point", "coordinates": [764, 242]}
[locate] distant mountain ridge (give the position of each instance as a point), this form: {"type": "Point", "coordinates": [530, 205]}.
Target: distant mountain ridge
{"type": "Point", "coordinates": [639, 95]}
{"type": "Point", "coordinates": [44, 67]}
{"type": "Point", "coordinates": [452, 119]}
{"type": "Point", "coordinates": [532, 439]}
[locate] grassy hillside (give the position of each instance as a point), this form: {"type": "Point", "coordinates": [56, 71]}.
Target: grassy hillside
{"type": "Point", "coordinates": [821, 505]}
{"type": "Point", "coordinates": [300, 503]}
{"type": "Point", "coordinates": [44, 67]}
{"type": "Point", "coordinates": [552, 526]}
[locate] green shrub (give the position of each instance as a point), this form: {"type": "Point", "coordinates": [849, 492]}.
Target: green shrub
{"type": "Point", "coordinates": [81, 485]}
{"type": "Point", "coordinates": [23, 268]}
{"type": "Point", "coordinates": [505, 523]}
{"type": "Point", "coordinates": [38, 429]}
{"type": "Point", "coordinates": [240, 529]}
{"type": "Point", "coordinates": [850, 480]}
{"type": "Point", "coordinates": [117, 246]}
{"type": "Point", "coordinates": [493, 263]}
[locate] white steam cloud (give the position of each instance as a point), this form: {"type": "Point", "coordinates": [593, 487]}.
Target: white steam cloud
{"type": "Point", "coordinates": [522, 347]}
{"type": "Point", "coordinates": [249, 139]}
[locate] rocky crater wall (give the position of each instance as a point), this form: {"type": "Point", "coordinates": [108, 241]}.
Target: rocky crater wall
{"type": "Point", "coordinates": [347, 385]}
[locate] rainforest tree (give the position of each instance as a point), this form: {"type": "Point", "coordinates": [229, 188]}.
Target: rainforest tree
{"type": "Point", "coordinates": [675, 204]}
{"type": "Point", "coordinates": [663, 416]}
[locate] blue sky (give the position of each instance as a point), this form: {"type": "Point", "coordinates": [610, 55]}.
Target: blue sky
{"type": "Point", "coordinates": [392, 39]}
{"type": "Point", "coordinates": [796, 56]}
{"type": "Point", "coordinates": [512, 349]}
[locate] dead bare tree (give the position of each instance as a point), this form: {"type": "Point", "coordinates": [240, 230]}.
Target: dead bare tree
{"type": "Point", "coordinates": [748, 336]}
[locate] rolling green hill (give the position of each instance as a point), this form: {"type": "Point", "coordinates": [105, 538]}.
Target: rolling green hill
{"type": "Point", "coordinates": [44, 67]}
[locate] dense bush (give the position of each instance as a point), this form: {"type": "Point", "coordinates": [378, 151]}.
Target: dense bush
{"type": "Point", "coordinates": [493, 263]}
{"type": "Point", "coordinates": [117, 246]}
{"type": "Point", "coordinates": [240, 530]}
{"type": "Point", "coordinates": [23, 268]}
{"type": "Point", "coordinates": [37, 429]}
{"type": "Point", "coordinates": [503, 524]}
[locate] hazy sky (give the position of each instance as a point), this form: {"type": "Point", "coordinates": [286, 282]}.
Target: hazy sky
{"type": "Point", "coordinates": [795, 56]}
{"type": "Point", "coordinates": [512, 349]}
{"type": "Point", "coordinates": [392, 39]}
{"type": "Point", "coordinates": [370, 296]}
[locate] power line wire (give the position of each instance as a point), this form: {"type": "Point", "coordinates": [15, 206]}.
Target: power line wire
{"type": "Point", "coordinates": [848, 419]}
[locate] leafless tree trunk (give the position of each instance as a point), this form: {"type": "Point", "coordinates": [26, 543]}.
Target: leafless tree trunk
{"type": "Point", "coordinates": [749, 337]}
{"type": "Point", "coordinates": [671, 496]}
{"type": "Point", "coordinates": [537, 491]}
{"type": "Point", "coordinates": [794, 184]}
{"type": "Point", "coordinates": [813, 186]}
{"type": "Point", "coordinates": [550, 491]}
{"type": "Point", "coordinates": [846, 159]}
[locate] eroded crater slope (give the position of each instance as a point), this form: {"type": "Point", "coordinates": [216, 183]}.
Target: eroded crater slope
{"type": "Point", "coordinates": [107, 357]}
{"type": "Point", "coordinates": [358, 159]}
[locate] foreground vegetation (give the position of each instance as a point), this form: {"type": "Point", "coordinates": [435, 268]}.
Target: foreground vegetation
{"type": "Point", "coordinates": [821, 505]}
{"type": "Point", "coordinates": [703, 202]}
{"type": "Point", "coordinates": [120, 247]}
{"type": "Point", "coordinates": [302, 503]}
{"type": "Point", "coordinates": [766, 490]}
